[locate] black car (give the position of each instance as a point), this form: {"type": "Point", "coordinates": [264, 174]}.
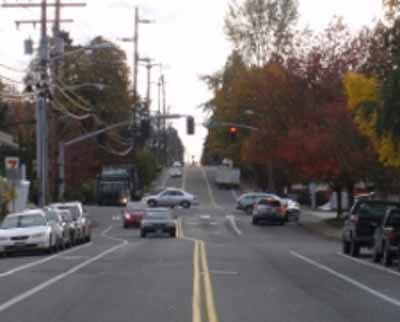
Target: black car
{"type": "Point", "coordinates": [360, 224]}
{"type": "Point", "coordinates": [387, 238]}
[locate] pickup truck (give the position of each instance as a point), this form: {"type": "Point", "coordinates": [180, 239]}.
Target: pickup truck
{"type": "Point", "coordinates": [360, 224]}
{"type": "Point", "coordinates": [387, 238]}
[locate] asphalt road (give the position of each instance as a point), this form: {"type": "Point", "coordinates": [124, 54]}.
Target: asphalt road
{"type": "Point", "coordinates": [220, 268]}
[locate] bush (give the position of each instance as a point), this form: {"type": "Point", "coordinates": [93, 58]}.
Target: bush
{"type": "Point", "coordinates": [147, 166]}
{"type": "Point", "coordinates": [85, 193]}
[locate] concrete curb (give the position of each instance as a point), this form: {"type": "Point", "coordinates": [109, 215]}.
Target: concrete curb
{"type": "Point", "coordinates": [323, 230]}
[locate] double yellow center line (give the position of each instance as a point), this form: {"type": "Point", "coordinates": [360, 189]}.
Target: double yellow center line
{"type": "Point", "coordinates": [202, 286]}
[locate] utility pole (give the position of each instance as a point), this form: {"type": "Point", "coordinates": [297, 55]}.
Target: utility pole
{"type": "Point", "coordinates": [136, 58]}
{"type": "Point", "coordinates": [42, 92]}
{"type": "Point", "coordinates": [164, 122]}
{"type": "Point", "coordinates": [41, 111]}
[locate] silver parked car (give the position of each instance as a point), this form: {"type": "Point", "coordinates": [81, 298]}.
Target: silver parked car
{"type": "Point", "coordinates": [27, 231]}
{"type": "Point", "coordinates": [56, 222]}
{"type": "Point", "coordinates": [80, 219]}
{"type": "Point", "coordinates": [69, 227]}
{"type": "Point", "coordinates": [170, 197]}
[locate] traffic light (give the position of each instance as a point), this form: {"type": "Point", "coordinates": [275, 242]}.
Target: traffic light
{"type": "Point", "coordinates": [190, 125]}
{"type": "Point", "coordinates": [233, 132]}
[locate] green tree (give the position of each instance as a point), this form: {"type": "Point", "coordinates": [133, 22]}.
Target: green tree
{"type": "Point", "coordinates": [260, 29]}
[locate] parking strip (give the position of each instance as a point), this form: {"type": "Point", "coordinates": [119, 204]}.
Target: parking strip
{"type": "Point", "coordinates": [42, 261]}
{"type": "Point", "coordinates": [23, 296]}
{"type": "Point", "coordinates": [372, 265]}
{"type": "Point", "coordinates": [347, 279]}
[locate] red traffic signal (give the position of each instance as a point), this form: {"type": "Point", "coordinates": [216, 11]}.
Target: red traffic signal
{"type": "Point", "coordinates": [233, 131]}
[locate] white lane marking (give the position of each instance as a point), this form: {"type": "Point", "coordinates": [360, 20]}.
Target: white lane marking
{"type": "Point", "coordinates": [222, 272]}
{"type": "Point", "coordinates": [232, 221]}
{"type": "Point", "coordinates": [205, 217]}
{"type": "Point", "coordinates": [73, 257]}
{"type": "Point", "coordinates": [19, 298]}
{"type": "Point", "coordinates": [116, 218]}
{"type": "Point", "coordinates": [105, 232]}
{"type": "Point", "coordinates": [373, 265]}
{"type": "Point", "coordinates": [45, 260]}
{"type": "Point", "coordinates": [42, 261]}
{"type": "Point", "coordinates": [210, 193]}
{"type": "Point", "coordinates": [347, 279]}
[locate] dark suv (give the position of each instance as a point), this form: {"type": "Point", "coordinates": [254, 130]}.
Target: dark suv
{"type": "Point", "coordinates": [360, 224]}
{"type": "Point", "coordinates": [387, 238]}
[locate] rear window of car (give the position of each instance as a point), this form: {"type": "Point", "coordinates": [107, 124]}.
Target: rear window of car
{"type": "Point", "coordinates": [75, 211]}
{"type": "Point", "coordinates": [158, 214]}
{"type": "Point", "coordinates": [374, 209]}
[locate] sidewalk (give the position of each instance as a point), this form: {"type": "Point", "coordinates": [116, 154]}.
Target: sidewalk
{"type": "Point", "coordinates": [313, 221]}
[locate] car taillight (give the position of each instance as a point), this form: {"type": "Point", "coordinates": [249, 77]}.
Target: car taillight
{"type": "Point", "coordinates": [354, 218]}
{"type": "Point", "coordinates": [393, 235]}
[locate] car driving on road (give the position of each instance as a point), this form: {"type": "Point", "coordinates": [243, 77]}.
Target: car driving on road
{"type": "Point", "coordinates": [247, 200]}
{"type": "Point", "coordinates": [27, 231]}
{"type": "Point", "coordinates": [175, 172]}
{"type": "Point", "coordinates": [158, 220]}
{"type": "Point", "coordinates": [268, 210]}
{"type": "Point", "coordinates": [360, 224]}
{"type": "Point", "coordinates": [387, 238]}
{"type": "Point", "coordinates": [133, 214]}
{"type": "Point", "coordinates": [170, 197]}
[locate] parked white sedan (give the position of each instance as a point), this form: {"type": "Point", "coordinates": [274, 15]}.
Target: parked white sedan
{"type": "Point", "coordinates": [27, 231]}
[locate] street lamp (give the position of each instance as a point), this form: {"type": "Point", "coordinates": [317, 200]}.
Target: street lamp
{"type": "Point", "coordinates": [99, 86]}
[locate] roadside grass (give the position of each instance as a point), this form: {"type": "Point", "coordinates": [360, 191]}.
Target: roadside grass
{"type": "Point", "coordinates": [336, 223]}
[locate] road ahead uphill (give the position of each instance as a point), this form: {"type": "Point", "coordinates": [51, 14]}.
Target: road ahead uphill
{"type": "Point", "coordinates": [219, 267]}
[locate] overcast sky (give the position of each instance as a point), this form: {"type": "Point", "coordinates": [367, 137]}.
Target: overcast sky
{"type": "Point", "coordinates": [187, 37]}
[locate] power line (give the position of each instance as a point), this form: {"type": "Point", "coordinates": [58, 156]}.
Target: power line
{"type": "Point", "coordinates": [72, 100]}
{"type": "Point", "coordinates": [61, 108]}
{"type": "Point", "coordinates": [8, 79]}
{"type": "Point", "coordinates": [12, 69]}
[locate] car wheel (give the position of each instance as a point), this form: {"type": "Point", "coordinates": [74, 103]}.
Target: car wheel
{"type": "Point", "coordinates": [376, 254]}
{"type": "Point", "coordinates": [254, 221]}
{"type": "Point", "coordinates": [173, 234]}
{"type": "Point", "coordinates": [387, 257]}
{"type": "Point", "coordinates": [143, 234]}
{"type": "Point", "coordinates": [346, 247]}
{"type": "Point", "coordinates": [125, 225]}
{"type": "Point", "coordinates": [152, 203]}
{"type": "Point", "coordinates": [185, 204]}
{"type": "Point", "coordinates": [88, 238]}
{"type": "Point", "coordinates": [354, 249]}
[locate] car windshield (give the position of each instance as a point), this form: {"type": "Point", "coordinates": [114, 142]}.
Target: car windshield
{"type": "Point", "coordinates": [24, 221]}
{"type": "Point", "coordinates": [158, 215]}
{"type": "Point", "coordinates": [135, 206]}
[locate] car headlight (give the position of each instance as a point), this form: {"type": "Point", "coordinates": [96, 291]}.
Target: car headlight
{"type": "Point", "coordinates": [39, 235]}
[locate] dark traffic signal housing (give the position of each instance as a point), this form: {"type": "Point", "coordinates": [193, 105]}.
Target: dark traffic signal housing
{"type": "Point", "coordinates": [190, 125]}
